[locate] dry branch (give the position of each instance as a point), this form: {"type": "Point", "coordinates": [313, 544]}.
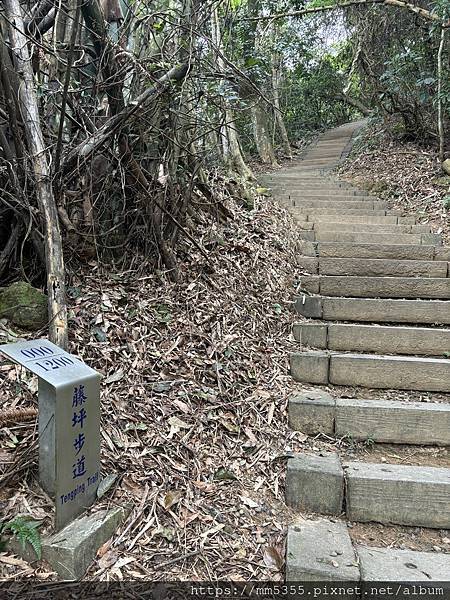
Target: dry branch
{"type": "Point", "coordinates": [417, 10]}
{"type": "Point", "coordinates": [103, 134]}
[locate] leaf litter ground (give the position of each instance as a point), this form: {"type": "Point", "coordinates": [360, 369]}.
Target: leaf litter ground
{"type": "Point", "coordinates": [194, 402]}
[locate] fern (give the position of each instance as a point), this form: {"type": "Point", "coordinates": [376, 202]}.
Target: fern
{"type": "Point", "coordinates": [26, 531]}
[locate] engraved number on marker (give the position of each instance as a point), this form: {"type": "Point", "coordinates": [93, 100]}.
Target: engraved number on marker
{"type": "Point", "coordinates": [39, 352]}
{"type": "Point", "coordinates": [55, 363]}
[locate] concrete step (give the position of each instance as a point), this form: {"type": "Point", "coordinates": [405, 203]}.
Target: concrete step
{"type": "Point", "coordinates": [399, 494]}
{"type": "Point", "coordinates": [338, 226]}
{"type": "Point", "coordinates": [315, 184]}
{"type": "Point", "coordinates": [420, 341]}
{"type": "Point", "coordinates": [351, 204]}
{"type": "Point", "coordinates": [310, 213]}
{"type": "Point", "coordinates": [371, 370]}
{"type": "Point", "coordinates": [329, 196]}
{"type": "Point", "coordinates": [374, 310]}
{"type": "Point", "coordinates": [376, 287]}
{"type": "Point", "coordinates": [382, 421]}
{"type": "Point", "coordinates": [384, 493]}
{"type": "Point", "coordinates": [392, 565]}
{"type": "Point", "coordinates": [318, 162]}
{"type": "Point", "coordinates": [366, 219]}
{"type": "Point", "coordinates": [373, 267]}
{"type": "Point", "coordinates": [321, 550]}
{"type": "Point", "coordinates": [389, 251]}
{"type": "Point", "coordinates": [371, 238]}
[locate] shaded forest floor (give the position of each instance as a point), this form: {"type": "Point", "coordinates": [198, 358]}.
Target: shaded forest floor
{"type": "Point", "coordinates": [194, 395]}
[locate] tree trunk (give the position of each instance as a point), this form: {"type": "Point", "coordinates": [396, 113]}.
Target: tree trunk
{"type": "Point", "coordinates": [278, 114]}
{"type": "Point", "coordinates": [355, 103]}
{"type": "Point", "coordinates": [231, 148]}
{"type": "Point", "coordinates": [262, 134]}
{"type": "Point", "coordinates": [53, 243]}
{"type": "Point", "coordinates": [440, 118]}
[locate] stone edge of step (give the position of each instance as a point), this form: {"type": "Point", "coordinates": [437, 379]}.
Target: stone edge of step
{"type": "Point", "coordinates": [412, 495]}
{"type": "Point", "coordinates": [383, 421]}
{"type": "Point", "coordinates": [400, 372]}
{"type": "Point", "coordinates": [321, 550]}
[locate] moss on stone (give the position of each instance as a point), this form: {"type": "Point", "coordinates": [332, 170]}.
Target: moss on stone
{"type": "Point", "coordinates": [24, 305]}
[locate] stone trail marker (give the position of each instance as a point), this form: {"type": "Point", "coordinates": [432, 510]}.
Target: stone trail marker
{"type": "Point", "coordinates": [69, 425]}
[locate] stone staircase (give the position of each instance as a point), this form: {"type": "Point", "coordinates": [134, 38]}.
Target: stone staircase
{"type": "Point", "coordinates": [374, 296]}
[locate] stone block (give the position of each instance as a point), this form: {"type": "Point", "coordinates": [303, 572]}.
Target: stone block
{"type": "Point", "coordinates": [398, 494]}
{"type": "Point", "coordinates": [385, 311]}
{"type": "Point", "coordinates": [433, 239]}
{"type": "Point", "coordinates": [388, 564]}
{"type": "Point", "coordinates": [384, 287]}
{"type": "Point", "coordinates": [307, 235]}
{"type": "Point", "coordinates": [381, 267]}
{"type": "Point", "coordinates": [312, 412]}
{"type": "Point", "coordinates": [384, 340]}
{"type": "Point", "coordinates": [315, 483]}
{"type": "Point", "coordinates": [308, 264]}
{"type": "Point", "coordinates": [311, 335]}
{"type": "Point", "coordinates": [393, 422]}
{"type": "Point", "coordinates": [396, 372]}
{"type": "Point", "coordinates": [366, 250]}
{"type": "Point", "coordinates": [362, 227]}
{"type": "Point", "coordinates": [442, 253]}
{"type": "Point", "coordinates": [71, 551]}
{"type": "Point", "coordinates": [320, 551]}
{"type": "Point", "coordinates": [309, 306]}
{"type": "Point", "coordinates": [306, 248]}
{"type": "Point", "coordinates": [310, 284]}
{"type": "Point", "coordinates": [368, 238]}
{"type": "Point", "coordinates": [310, 367]}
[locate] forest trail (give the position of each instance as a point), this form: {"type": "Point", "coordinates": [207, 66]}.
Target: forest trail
{"type": "Point", "coordinates": [374, 297]}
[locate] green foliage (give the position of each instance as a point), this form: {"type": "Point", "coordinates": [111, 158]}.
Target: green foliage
{"type": "Point", "coordinates": [446, 202]}
{"type": "Point", "coordinates": [320, 3]}
{"type": "Point", "coordinates": [398, 69]}
{"type": "Point", "coordinates": [26, 531]}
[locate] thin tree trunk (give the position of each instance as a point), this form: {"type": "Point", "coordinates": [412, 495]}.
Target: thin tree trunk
{"type": "Point", "coordinates": [30, 113]}
{"type": "Point", "coordinates": [355, 103]}
{"type": "Point", "coordinates": [231, 148]}
{"type": "Point", "coordinates": [439, 97]}
{"type": "Point", "coordinates": [278, 114]}
{"type": "Point", "coordinates": [262, 134]}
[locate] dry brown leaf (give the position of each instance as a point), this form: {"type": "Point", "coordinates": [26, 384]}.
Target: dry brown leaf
{"type": "Point", "coordinates": [172, 498]}
{"type": "Point", "coordinates": [272, 558]}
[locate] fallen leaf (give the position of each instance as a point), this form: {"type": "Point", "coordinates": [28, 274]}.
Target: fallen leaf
{"type": "Point", "coordinates": [272, 558]}
{"type": "Point", "coordinates": [104, 548]}
{"type": "Point", "coordinates": [117, 376]}
{"type": "Point", "coordinates": [249, 502]}
{"type": "Point", "coordinates": [204, 487]}
{"type": "Point", "coordinates": [224, 475]}
{"type": "Point", "coordinates": [166, 532]}
{"type": "Point", "coordinates": [213, 530]}
{"type": "Point", "coordinates": [172, 498]}
{"type": "Point", "coordinates": [176, 425]}
{"type": "Point", "coordinates": [108, 559]}
{"type": "Point", "coordinates": [105, 484]}
{"type": "Point", "coordinates": [270, 413]}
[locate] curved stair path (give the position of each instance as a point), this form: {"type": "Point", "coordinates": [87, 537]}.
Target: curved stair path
{"type": "Point", "coordinates": [374, 294]}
